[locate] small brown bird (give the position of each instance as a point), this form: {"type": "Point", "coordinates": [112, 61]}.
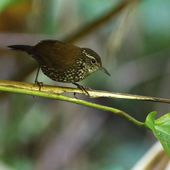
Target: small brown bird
{"type": "Point", "coordinates": [63, 62]}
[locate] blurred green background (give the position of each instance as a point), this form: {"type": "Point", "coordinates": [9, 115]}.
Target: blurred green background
{"type": "Point", "coordinates": [41, 134]}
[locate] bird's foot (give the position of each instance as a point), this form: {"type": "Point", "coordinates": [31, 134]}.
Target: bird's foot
{"type": "Point", "coordinates": [82, 88]}
{"type": "Point", "coordinates": [39, 84]}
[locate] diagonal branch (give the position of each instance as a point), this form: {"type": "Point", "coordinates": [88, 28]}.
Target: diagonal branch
{"type": "Point", "coordinates": [55, 93]}
{"type": "Point", "coordinates": [31, 89]}
{"type": "Point", "coordinates": [99, 22]}
{"type": "Point", "coordinates": [92, 93]}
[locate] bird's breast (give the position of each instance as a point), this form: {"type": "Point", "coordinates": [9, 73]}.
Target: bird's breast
{"type": "Point", "coordinates": [75, 73]}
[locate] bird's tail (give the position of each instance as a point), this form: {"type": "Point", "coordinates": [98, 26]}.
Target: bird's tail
{"type": "Point", "coordinates": [26, 48]}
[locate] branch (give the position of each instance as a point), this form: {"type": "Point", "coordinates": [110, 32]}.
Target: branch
{"type": "Point", "coordinates": [55, 93]}
{"type": "Point", "coordinates": [99, 22]}
{"type": "Point", "coordinates": [51, 92]}
{"type": "Point", "coordinates": [92, 93]}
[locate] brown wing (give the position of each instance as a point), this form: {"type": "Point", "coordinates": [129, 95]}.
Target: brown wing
{"type": "Point", "coordinates": [56, 54]}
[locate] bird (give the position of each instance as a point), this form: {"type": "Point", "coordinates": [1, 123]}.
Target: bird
{"type": "Point", "coordinates": [62, 61]}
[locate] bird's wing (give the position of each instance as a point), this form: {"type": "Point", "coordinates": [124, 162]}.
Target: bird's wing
{"type": "Point", "coordinates": [56, 54]}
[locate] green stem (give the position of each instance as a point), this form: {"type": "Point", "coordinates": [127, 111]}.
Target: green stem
{"type": "Point", "coordinates": [72, 100]}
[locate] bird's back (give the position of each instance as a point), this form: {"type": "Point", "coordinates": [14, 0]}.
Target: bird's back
{"type": "Point", "coordinates": [56, 54]}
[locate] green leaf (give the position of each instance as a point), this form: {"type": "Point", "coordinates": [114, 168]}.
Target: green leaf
{"type": "Point", "coordinates": [160, 128]}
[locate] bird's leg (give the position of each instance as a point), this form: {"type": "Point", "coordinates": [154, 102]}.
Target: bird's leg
{"type": "Point", "coordinates": [81, 88]}
{"type": "Point", "coordinates": [75, 95]}
{"type": "Point", "coordinates": [40, 84]}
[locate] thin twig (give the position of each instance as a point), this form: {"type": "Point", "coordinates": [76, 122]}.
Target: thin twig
{"type": "Point", "coordinates": [92, 93]}
{"type": "Point", "coordinates": [55, 93]}
{"type": "Point", "coordinates": [31, 89]}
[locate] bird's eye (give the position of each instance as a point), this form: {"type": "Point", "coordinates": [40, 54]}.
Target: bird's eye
{"type": "Point", "coordinates": [93, 61]}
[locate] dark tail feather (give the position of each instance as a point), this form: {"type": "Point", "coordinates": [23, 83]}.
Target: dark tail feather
{"type": "Point", "coordinates": [25, 48]}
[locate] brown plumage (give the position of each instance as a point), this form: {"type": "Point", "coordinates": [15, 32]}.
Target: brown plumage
{"type": "Point", "coordinates": [63, 62]}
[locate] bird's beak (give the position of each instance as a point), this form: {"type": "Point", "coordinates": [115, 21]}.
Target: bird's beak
{"type": "Point", "coordinates": [105, 71]}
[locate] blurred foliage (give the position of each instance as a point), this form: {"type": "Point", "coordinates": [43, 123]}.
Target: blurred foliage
{"type": "Point", "coordinates": [5, 3]}
{"type": "Point", "coordinates": [13, 14]}
{"type": "Point", "coordinates": [87, 8]}
{"type": "Point", "coordinates": [44, 134]}
{"type": "Point", "coordinates": [156, 33]}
